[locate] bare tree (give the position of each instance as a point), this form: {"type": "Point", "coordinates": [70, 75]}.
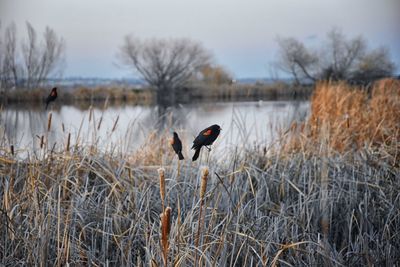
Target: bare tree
{"type": "Point", "coordinates": [295, 59]}
{"type": "Point", "coordinates": [340, 58]}
{"type": "Point", "coordinates": [10, 69]}
{"type": "Point", "coordinates": [341, 55]}
{"type": "Point", "coordinates": [374, 65]}
{"type": "Point", "coordinates": [165, 64]}
{"type": "Point", "coordinates": [40, 61]}
{"type": "Point", "coordinates": [30, 54]}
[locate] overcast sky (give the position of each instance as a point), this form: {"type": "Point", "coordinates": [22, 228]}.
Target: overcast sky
{"type": "Point", "coordinates": [241, 34]}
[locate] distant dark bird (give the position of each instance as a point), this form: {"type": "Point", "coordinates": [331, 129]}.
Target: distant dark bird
{"type": "Point", "coordinates": [205, 138]}
{"type": "Point", "coordinates": [51, 97]}
{"type": "Point", "coordinates": [177, 146]}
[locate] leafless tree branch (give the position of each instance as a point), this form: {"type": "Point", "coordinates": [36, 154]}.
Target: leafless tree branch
{"type": "Point", "coordinates": [340, 58]}
{"type": "Point", "coordinates": [164, 63]}
{"type": "Point", "coordinates": [37, 61]}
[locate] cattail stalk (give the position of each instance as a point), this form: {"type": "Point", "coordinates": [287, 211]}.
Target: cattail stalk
{"type": "Point", "coordinates": [68, 141]}
{"type": "Point", "coordinates": [99, 124]}
{"type": "Point", "coordinates": [115, 124]}
{"type": "Point", "coordinates": [90, 113]}
{"type": "Point", "coordinates": [42, 141]}
{"type": "Point", "coordinates": [165, 230]}
{"type": "Point", "coordinates": [203, 187]}
{"type": "Point", "coordinates": [179, 169]}
{"type": "Point", "coordinates": [49, 122]}
{"type": "Point", "coordinates": [161, 174]}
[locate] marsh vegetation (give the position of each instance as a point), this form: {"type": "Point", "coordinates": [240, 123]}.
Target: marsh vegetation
{"type": "Point", "coordinates": [326, 193]}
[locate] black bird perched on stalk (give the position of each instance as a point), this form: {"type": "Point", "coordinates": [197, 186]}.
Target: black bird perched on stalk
{"type": "Point", "coordinates": [205, 138]}
{"type": "Point", "coordinates": [52, 96]}
{"type": "Point", "coordinates": [177, 146]}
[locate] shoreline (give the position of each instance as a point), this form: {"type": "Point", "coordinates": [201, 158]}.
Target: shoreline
{"type": "Point", "coordinates": [120, 95]}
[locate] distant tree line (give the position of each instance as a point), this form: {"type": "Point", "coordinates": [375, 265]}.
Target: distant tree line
{"type": "Point", "coordinates": [27, 64]}
{"type": "Point", "coordinates": [339, 58]}
{"type": "Point", "coordinates": [170, 64]}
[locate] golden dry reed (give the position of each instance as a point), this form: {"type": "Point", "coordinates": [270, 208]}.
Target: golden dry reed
{"type": "Point", "coordinates": [349, 118]}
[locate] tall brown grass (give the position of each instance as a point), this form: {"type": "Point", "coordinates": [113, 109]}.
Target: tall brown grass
{"type": "Point", "coordinates": [350, 118]}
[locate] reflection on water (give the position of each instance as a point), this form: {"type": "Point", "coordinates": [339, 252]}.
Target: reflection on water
{"type": "Point", "coordinates": [242, 123]}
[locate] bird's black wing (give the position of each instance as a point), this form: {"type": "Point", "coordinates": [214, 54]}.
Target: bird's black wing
{"type": "Point", "coordinates": [200, 139]}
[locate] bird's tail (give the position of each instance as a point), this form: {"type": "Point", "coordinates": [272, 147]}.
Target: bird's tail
{"type": "Point", "coordinates": [180, 156]}
{"type": "Point", "coordinates": [196, 154]}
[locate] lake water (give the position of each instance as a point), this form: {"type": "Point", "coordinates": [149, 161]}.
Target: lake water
{"type": "Point", "coordinates": [128, 126]}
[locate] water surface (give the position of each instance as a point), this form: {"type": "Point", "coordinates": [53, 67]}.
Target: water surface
{"type": "Point", "coordinates": [126, 127]}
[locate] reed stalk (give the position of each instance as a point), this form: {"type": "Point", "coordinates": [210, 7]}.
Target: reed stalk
{"type": "Point", "coordinates": [49, 121]}
{"type": "Point", "coordinates": [203, 188]}
{"type": "Point", "coordinates": [68, 141]}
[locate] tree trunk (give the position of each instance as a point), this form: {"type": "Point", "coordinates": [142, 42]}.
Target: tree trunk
{"type": "Point", "coordinates": [166, 96]}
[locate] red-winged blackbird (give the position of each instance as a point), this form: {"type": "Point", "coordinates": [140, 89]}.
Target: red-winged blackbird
{"type": "Point", "coordinates": [52, 96]}
{"type": "Point", "coordinates": [205, 138]}
{"type": "Point", "coordinates": [177, 145]}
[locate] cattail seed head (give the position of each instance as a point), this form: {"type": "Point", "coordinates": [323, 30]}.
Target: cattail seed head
{"type": "Point", "coordinates": [203, 185]}
{"type": "Point", "coordinates": [166, 223]}
{"type": "Point", "coordinates": [161, 174]}
{"type": "Point", "coordinates": [165, 229]}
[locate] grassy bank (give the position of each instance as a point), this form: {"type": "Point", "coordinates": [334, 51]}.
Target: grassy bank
{"type": "Point", "coordinates": [81, 96]}
{"type": "Point", "coordinates": [306, 202]}
{"type": "Point", "coordinates": [198, 92]}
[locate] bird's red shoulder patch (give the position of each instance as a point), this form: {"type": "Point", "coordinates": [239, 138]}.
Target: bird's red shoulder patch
{"type": "Point", "coordinates": [208, 132]}
{"type": "Point", "coordinates": [53, 93]}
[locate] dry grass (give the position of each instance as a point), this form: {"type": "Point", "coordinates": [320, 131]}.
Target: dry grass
{"type": "Point", "coordinates": [350, 119]}
{"type": "Point", "coordinates": [260, 207]}
{"type": "Point", "coordinates": [114, 94]}
{"type": "Point", "coordinates": [235, 92]}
